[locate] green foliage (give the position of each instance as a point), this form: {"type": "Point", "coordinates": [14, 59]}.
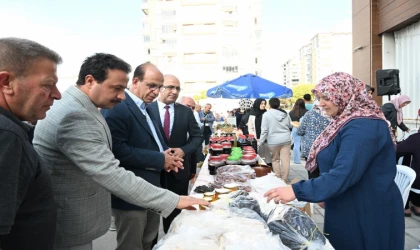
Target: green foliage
{"type": "Point", "coordinates": [300, 90]}
{"type": "Point", "coordinates": [200, 96]}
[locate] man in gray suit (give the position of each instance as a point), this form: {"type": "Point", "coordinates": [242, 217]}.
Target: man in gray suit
{"type": "Point", "coordinates": [75, 142]}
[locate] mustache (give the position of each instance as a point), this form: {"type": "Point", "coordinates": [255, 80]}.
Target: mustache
{"type": "Point", "coordinates": [116, 101]}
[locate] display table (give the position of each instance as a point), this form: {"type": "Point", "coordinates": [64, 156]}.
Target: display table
{"type": "Point", "coordinates": [226, 225]}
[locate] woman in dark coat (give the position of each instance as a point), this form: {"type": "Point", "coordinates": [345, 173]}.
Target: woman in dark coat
{"type": "Point", "coordinates": [411, 148]}
{"type": "Point", "coordinates": [393, 112]}
{"type": "Point", "coordinates": [356, 158]}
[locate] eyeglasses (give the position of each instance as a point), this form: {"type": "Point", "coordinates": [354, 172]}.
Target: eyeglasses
{"type": "Point", "coordinates": [170, 88]}
{"type": "Point", "coordinates": [153, 86]}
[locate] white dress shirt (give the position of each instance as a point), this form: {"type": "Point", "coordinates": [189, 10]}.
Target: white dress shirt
{"type": "Point", "coordinates": [142, 107]}
{"type": "Point", "coordinates": [197, 118]}
{"type": "Point", "coordinates": [162, 111]}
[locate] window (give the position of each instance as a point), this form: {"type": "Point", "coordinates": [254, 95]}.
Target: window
{"type": "Point", "coordinates": [146, 39]}
{"type": "Point", "coordinates": [230, 53]}
{"type": "Point", "coordinates": [168, 13]}
{"type": "Point", "coordinates": [200, 57]}
{"type": "Point", "coordinates": [258, 34]}
{"type": "Point", "coordinates": [256, 60]}
{"type": "Point", "coordinates": [169, 41]}
{"type": "Point", "coordinates": [230, 69]}
{"type": "Point", "coordinates": [199, 28]}
{"type": "Point", "coordinates": [169, 28]}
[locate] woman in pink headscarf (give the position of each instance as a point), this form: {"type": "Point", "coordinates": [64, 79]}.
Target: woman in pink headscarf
{"type": "Point", "coordinates": [356, 158]}
{"type": "Point", "coordinates": [393, 112]}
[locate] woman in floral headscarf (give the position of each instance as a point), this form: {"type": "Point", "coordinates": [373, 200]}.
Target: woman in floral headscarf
{"type": "Point", "coordinates": [393, 112]}
{"type": "Point", "coordinates": [356, 158]}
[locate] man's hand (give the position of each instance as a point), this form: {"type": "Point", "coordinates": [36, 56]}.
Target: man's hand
{"type": "Point", "coordinates": [188, 201]}
{"type": "Point", "coordinates": [203, 119]}
{"type": "Point", "coordinates": [178, 152]}
{"type": "Point", "coordinates": [172, 162]}
{"type": "Point", "coordinates": [282, 194]}
{"type": "Point", "coordinates": [192, 176]}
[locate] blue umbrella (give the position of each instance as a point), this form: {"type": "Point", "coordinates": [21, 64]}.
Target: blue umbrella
{"type": "Point", "coordinates": [249, 86]}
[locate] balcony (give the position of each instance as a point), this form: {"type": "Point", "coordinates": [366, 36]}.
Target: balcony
{"type": "Point", "coordinates": [145, 7]}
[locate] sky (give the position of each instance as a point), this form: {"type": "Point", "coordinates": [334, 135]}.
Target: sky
{"type": "Point", "coordinates": [79, 28]}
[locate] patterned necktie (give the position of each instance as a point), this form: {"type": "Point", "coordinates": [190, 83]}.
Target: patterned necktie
{"type": "Point", "coordinates": [167, 123]}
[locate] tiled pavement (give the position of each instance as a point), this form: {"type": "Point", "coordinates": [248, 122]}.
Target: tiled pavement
{"type": "Point", "coordinates": [412, 224]}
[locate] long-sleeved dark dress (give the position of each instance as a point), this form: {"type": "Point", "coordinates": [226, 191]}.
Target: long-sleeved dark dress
{"type": "Point", "coordinates": [363, 206]}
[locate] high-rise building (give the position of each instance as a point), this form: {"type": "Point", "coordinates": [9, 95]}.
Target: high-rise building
{"type": "Point", "coordinates": [203, 42]}
{"type": "Point", "coordinates": [331, 52]}
{"type": "Point", "coordinates": [292, 72]}
{"type": "Point", "coordinates": [305, 55]}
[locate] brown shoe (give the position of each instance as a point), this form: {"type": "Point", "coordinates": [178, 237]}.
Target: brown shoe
{"type": "Point", "coordinates": [414, 211]}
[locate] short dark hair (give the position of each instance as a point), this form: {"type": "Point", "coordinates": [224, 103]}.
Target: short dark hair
{"type": "Point", "coordinates": [141, 70]}
{"type": "Point", "coordinates": [307, 97]}
{"type": "Point", "coordinates": [274, 103]}
{"type": "Point", "coordinates": [373, 90]}
{"type": "Point", "coordinates": [98, 66]}
{"type": "Point", "coordinates": [17, 55]}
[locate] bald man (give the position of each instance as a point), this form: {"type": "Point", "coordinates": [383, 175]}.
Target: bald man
{"type": "Point", "coordinates": [181, 133]}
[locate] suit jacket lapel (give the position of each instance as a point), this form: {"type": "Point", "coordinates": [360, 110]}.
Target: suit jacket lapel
{"type": "Point", "coordinates": [154, 112]}
{"type": "Point", "coordinates": [135, 110]}
{"type": "Point", "coordinates": [177, 119]}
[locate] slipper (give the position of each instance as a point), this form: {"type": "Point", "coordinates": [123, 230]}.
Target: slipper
{"type": "Point", "coordinates": [414, 211]}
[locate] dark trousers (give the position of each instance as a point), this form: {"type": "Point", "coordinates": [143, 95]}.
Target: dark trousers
{"type": "Point", "coordinates": [414, 199]}
{"type": "Point", "coordinates": [206, 137]}
{"type": "Point", "coordinates": [178, 186]}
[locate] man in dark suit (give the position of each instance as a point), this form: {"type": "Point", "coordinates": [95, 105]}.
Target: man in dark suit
{"type": "Point", "coordinates": [181, 134]}
{"type": "Point", "coordinates": [140, 148]}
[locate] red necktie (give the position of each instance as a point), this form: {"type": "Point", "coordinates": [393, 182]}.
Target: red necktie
{"type": "Point", "coordinates": [167, 123]}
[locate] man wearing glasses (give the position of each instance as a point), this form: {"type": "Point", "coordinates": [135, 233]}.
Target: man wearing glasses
{"type": "Point", "coordinates": [181, 133]}
{"type": "Point", "coordinates": [140, 147]}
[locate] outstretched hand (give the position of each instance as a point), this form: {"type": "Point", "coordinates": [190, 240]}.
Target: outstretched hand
{"type": "Point", "coordinates": [280, 194]}
{"type": "Point", "coordinates": [187, 201]}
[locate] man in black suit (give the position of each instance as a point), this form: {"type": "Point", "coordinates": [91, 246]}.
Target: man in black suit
{"type": "Point", "coordinates": [140, 147]}
{"type": "Point", "coordinates": [181, 134]}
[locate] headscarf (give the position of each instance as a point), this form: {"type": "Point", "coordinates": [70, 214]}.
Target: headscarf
{"type": "Point", "coordinates": [257, 112]}
{"type": "Point", "coordinates": [349, 95]}
{"type": "Point", "coordinates": [398, 101]}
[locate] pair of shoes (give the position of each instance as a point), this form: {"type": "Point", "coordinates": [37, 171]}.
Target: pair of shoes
{"type": "Point", "coordinates": [414, 211]}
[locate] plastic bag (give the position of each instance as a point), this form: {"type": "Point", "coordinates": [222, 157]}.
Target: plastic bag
{"type": "Point", "coordinates": [263, 184]}
{"type": "Point", "coordinates": [296, 229]}
{"type": "Point", "coordinates": [217, 229]}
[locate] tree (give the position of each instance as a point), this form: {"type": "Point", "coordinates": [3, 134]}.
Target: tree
{"type": "Point", "coordinates": [300, 90]}
{"type": "Point", "coordinates": [202, 95]}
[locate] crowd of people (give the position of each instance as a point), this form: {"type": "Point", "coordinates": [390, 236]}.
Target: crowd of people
{"type": "Point", "coordinates": [108, 147]}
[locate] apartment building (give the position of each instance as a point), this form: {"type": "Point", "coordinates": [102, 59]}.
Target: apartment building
{"type": "Point", "coordinates": [292, 72]}
{"type": "Point", "coordinates": [305, 56]}
{"type": "Point", "coordinates": [331, 52]}
{"type": "Point", "coordinates": [203, 42]}
{"type": "Point", "coordinates": [326, 53]}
